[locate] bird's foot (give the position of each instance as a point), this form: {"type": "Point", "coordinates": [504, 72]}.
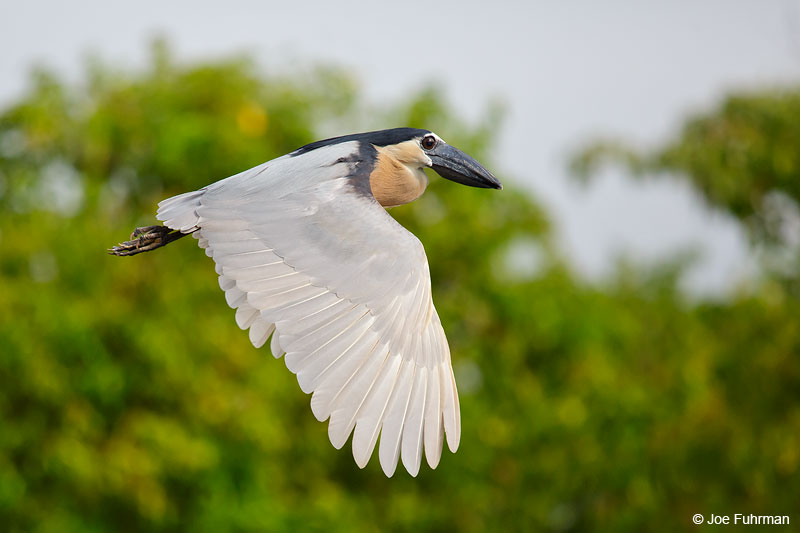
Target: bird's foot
{"type": "Point", "coordinates": [145, 239]}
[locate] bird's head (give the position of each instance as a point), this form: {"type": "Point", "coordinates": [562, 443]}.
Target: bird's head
{"type": "Point", "coordinates": [453, 164]}
{"type": "Point", "coordinates": [397, 158]}
{"type": "Point", "coordinates": [423, 148]}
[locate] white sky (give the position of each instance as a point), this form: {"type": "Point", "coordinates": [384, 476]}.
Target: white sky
{"type": "Point", "coordinates": [567, 71]}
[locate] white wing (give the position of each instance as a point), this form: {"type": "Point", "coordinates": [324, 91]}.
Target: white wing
{"type": "Point", "coordinates": [345, 292]}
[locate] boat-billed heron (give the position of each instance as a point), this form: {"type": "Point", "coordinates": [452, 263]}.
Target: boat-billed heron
{"type": "Point", "coordinates": [306, 253]}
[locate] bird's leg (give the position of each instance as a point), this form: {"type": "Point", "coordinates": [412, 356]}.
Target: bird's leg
{"type": "Point", "coordinates": [145, 239]}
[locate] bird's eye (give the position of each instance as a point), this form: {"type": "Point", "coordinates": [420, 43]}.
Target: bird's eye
{"type": "Point", "coordinates": [428, 142]}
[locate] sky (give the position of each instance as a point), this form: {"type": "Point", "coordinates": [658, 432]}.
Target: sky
{"type": "Point", "coordinates": [567, 71]}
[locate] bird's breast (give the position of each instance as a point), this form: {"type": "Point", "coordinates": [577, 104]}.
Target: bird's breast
{"type": "Point", "coordinates": [394, 182]}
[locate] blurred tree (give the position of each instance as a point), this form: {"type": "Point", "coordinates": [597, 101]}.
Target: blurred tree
{"type": "Point", "coordinates": [129, 401]}
{"type": "Point", "coordinates": [742, 157]}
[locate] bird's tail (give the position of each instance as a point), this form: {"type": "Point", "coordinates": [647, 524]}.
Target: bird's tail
{"type": "Point", "coordinates": [180, 212]}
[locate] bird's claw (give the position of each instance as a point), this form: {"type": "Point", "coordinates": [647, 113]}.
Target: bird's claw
{"type": "Point", "coordinates": [143, 239]}
{"type": "Point", "coordinates": [150, 231]}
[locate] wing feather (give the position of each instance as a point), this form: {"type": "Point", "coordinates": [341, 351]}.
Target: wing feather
{"type": "Point", "coordinates": [411, 452]}
{"type": "Point", "coordinates": [307, 324]}
{"type": "Point", "coordinates": [336, 376]}
{"type": "Point", "coordinates": [275, 345]}
{"type": "Point", "coordinates": [368, 424]}
{"type": "Point", "coordinates": [315, 368]}
{"type": "Point", "coordinates": [259, 332]}
{"type": "Point", "coordinates": [433, 420]}
{"type": "Point", "coordinates": [335, 337]}
{"type": "Point", "coordinates": [347, 403]}
{"type": "Point", "coordinates": [245, 316]}
{"type": "Point", "coordinates": [392, 433]}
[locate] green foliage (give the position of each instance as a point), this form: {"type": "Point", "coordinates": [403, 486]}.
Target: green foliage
{"type": "Point", "coordinates": [744, 159]}
{"type": "Point", "coordinates": [130, 401]}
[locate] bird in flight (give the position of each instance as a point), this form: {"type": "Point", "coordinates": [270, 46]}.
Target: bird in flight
{"type": "Point", "coordinates": [307, 254]}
